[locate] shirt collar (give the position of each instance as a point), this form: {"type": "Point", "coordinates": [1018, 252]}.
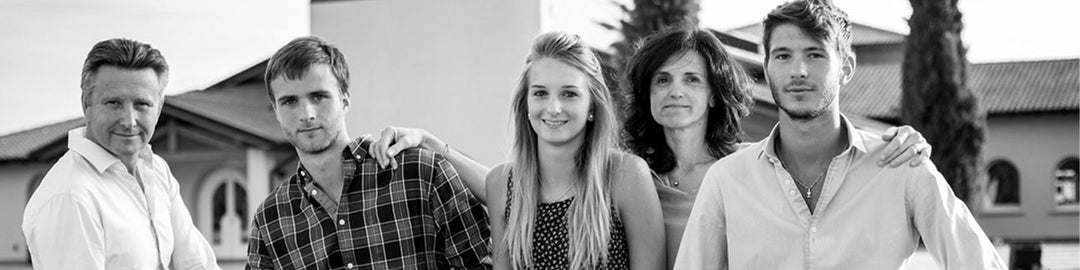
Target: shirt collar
{"type": "Point", "coordinates": [98, 157]}
{"type": "Point", "coordinates": [854, 141]}
{"type": "Point", "coordinates": [355, 151]}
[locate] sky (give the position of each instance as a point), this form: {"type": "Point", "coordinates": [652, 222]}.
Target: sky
{"type": "Point", "coordinates": [206, 41]}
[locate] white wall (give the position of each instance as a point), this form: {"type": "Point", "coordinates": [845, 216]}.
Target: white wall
{"type": "Point", "coordinates": [14, 182]}
{"type": "Point", "coordinates": [447, 66]}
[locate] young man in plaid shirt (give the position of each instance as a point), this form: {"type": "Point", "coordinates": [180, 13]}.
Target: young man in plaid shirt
{"type": "Point", "coordinates": [341, 210]}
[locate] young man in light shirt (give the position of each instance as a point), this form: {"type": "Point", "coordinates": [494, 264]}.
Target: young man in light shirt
{"type": "Point", "coordinates": [810, 196]}
{"type": "Point", "coordinates": [109, 202]}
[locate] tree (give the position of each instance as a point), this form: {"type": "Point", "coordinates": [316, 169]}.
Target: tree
{"type": "Point", "coordinates": [936, 99]}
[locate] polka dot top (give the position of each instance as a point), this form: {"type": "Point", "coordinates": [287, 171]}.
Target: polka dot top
{"type": "Point", "coordinates": [551, 236]}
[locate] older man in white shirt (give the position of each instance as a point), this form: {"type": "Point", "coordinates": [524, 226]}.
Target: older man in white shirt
{"type": "Point", "coordinates": [109, 202]}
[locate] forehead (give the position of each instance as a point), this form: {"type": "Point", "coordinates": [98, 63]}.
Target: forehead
{"type": "Point", "coordinates": [317, 77]}
{"type": "Point", "coordinates": [111, 81]}
{"type": "Point", "coordinates": [685, 61]}
{"type": "Point", "coordinates": [792, 37]}
{"type": "Point", "coordinates": [548, 71]}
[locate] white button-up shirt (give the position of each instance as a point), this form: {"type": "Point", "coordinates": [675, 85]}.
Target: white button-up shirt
{"type": "Point", "coordinates": [90, 213]}
{"type": "Point", "coordinates": [750, 215]}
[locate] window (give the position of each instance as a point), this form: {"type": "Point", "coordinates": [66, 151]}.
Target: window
{"type": "Point", "coordinates": [223, 216]}
{"type": "Point", "coordinates": [1003, 187]}
{"type": "Point", "coordinates": [1066, 184]}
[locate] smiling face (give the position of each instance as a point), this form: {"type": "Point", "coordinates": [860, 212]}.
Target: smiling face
{"type": "Point", "coordinates": [679, 94]}
{"type": "Point", "coordinates": [558, 102]}
{"type": "Point", "coordinates": [311, 109]}
{"type": "Point", "coordinates": [805, 73]}
{"type": "Point", "coordinates": [122, 109]}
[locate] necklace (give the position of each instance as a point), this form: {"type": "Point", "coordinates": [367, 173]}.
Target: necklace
{"type": "Point", "coordinates": [809, 188]}
{"type": "Point", "coordinates": [675, 181]}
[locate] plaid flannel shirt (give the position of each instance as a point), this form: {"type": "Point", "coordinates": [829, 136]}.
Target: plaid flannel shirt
{"type": "Point", "coordinates": [418, 216]}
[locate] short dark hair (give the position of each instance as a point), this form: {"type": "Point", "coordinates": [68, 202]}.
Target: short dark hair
{"type": "Point", "coordinates": [818, 18]}
{"type": "Point", "coordinates": [726, 78]}
{"type": "Point", "coordinates": [125, 54]}
{"type": "Point", "coordinates": [293, 60]}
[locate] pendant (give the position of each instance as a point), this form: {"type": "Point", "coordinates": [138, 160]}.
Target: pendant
{"type": "Point", "coordinates": [676, 182]}
{"type": "Point", "coordinates": [808, 194]}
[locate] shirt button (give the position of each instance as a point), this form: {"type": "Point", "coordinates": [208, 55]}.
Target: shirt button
{"type": "Point", "coordinates": [302, 173]}
{"type": "Point", "coordinates": [314, 192]}
{"type": "Point", "coordinates": [341, 222]}
{"type": "Point", "coordinates": [813, 229]}
{"type": "Point", "coordinates": [350, 265]}
{"type": "Point", "coordinates": [793, 193]}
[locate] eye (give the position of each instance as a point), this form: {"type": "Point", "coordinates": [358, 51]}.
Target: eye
{"type": "Point", "coordinates": [111, 103]}
{"type": "Point", "coordinates": [662, 80]}
{"type": "Point", "coordinates": [693, 79]}
{"type": "Point", "coordinates": [144, 104]}
{"type": "Point", "coordinates": [539, 93]}
{"type": "Point", "coordinates": [815, 55]}
{"type": "Point", "coordinates": [570, 94]}
{"type": "Point", "coordinates": [287, 101]}
{"type": "Point", "coordinates": [782, 56]}
{"type": "Point", "coordinates": [319, 97]}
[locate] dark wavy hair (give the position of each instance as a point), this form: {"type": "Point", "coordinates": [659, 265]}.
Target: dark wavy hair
{"type": "Point", "coordinates": [818, 18]}
{"type": "Point", "coordinates": [727, 81]}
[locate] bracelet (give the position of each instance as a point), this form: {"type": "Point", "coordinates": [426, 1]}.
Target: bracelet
{"type": "Point", "coordinates": [446, 150]}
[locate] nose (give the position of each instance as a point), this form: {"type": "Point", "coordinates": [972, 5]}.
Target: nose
{"type": "Point", "coordinates": [128, 116]}
{"type": "Point", "coordinates": [798, 70]}
{"type": "Point", "coordinates": [307, 112]}
{"type": "Point", "coordinates": [555, 107]}
{"type": "Point", "coordinates": [677, 91]}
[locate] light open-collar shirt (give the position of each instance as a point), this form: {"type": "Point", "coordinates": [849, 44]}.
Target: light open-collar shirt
{"type": "Point", "coordinates": [90, 213]}
{"type": "Point", "coordinates": [749, 214]}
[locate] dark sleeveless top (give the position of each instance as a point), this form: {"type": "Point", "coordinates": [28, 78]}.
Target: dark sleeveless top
{"type": "Point", "coordinates": [550, 242]}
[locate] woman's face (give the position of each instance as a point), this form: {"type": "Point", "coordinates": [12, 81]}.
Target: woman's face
{"type": "Point", "coordinates": [679, 94]}
{"type": "Point", "coordinates": [558, 102]}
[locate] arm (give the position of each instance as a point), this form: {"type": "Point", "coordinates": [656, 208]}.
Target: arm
{"type": "Point", "coordinates": [704, 243]}
{"type": "Point", "coordinates": [394, 139]}
{"type": "Point", "coordinates": [905, 144]}
{"type": "Point", "coordinates": [496, 211]}
{"type": "Point", "coordinates": [190, 250]}
{"type": "Point", "coordinates": [639, 209]}
{"type": "Point", "coordinates": [461, 219]}
{"type": "Point", "coordinates": [948, 229]}
{"type": "Point", "coordinates": [258, 245]}
{"type": "Point", "coordinates": [65, 233]}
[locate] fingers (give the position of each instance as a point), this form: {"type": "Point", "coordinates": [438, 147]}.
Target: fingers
{"type": "Point", "coordinates": [379, 147]}
{"type": "Point", "coordinates": [895, 147]}
{"type": "Point", "coordinates": [924, 153]}
{"type": "Point", "coordinates": [889, 134]}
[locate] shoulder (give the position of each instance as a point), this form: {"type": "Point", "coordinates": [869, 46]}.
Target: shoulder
{"type": "Point", "coordinates": [283, 196]}
{"type": "Point", "coordinates": [748, 152]}
{"type": "Point", "coordinates": [497, 178]}
{"type": "Point", "coordinates": [71, 177]}
{"type": "Point", "coordinates": [631, 178]}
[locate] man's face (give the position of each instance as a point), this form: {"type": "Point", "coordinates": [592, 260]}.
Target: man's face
{"type": "Point", "coordinates": [122, 109]}
{"type": "Point", "coordinates": [311, 110]}
{"type": "Point", "coordinates": [804, 73]}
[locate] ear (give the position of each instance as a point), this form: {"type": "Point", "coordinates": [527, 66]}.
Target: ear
{"type": "Point", "coordinates": [345, 101]}
{"type": "Point", "coordinates": [847, 69]}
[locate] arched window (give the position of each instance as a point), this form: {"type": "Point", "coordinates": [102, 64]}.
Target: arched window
{"type": "Point", "coordinates": [1003, 187]}
{"type": "Point", "coordinates": [223, 216]}
{"type": "Point", "coordinates": [1066, 182]}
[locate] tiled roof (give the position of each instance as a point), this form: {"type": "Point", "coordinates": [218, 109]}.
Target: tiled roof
{"type": "Point", "coordinates": [23, 144]}
{"type": "Point", "coordinates": [861, 34]}
{"type": "Point", "coordinates": [245, 107]}
{"type": "Point", "coordinates": [1004, 88]}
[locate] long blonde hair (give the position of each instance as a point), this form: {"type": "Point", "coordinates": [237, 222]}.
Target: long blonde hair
{"type": "Point", "coordinates": [589, 214]}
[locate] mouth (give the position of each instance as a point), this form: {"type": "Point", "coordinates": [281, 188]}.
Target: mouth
{"type": "Point", "coordinates": [676, 107]}
{"type": "Point", "coordinates": [309, 129]}
{"type": "Point", "coordinates": [126, 134]}
{"type": "Point", "coordinates": [554, 123]}
{"type": "Point", "coordinates": [799, 88]}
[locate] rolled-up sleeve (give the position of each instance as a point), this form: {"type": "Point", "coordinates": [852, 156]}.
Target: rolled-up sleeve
{"type": "Point", "coordinates": [704, 243]}
{"type": "Point", "coordinates": [462, 219]}
{"type": "Point", "coordinates": [65, 233]}
{"type": "Point", "coordinates": [948, 229]}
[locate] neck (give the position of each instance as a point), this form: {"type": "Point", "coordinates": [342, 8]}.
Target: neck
{"type": "Point", "coordinates": [326, 167]}
{"type": "Point", "coordinates": [129, 163]}
{"type": "Point", "coordinates": [811, 141]}
{"type": "Point", "coordinates": [688, 145]}
{"type": "Point", "coordinates": [557, 164]}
